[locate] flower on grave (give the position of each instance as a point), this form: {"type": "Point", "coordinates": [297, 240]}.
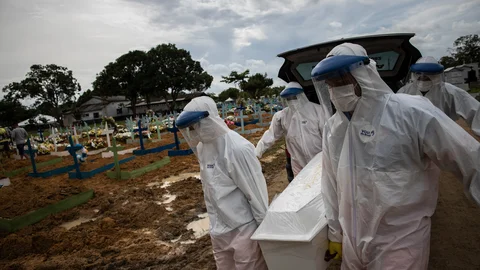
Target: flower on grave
{"type": "Point", "coordinates": [123, 136]}
{"type": "Point", "coordinates": [96, 143]}
{"type": "Point", "coordinates": [229, 123]}
{"type": "Point", "coordinates": [45, 148]}
{"type": "Point", "coordinates": [161, 128]}
{"type": "Point", "coordinates": [248, 111]}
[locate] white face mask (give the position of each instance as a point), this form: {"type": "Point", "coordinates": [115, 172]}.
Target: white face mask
{"type": "Point", "coordinates": [424, 86]}
{"type": "Point", "coordinates": [293, 103]}
{"type": "Point", "coordinates": [344, 98]}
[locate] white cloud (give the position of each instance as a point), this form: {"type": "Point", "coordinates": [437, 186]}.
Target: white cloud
{"type": "Point", "coordinates": [224, 35]}
{"type": "Point", "coordinates": [242, 36]}
{"type": "Point", "coordinates": [335, 24]}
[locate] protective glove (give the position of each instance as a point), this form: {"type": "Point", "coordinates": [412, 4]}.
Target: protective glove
{"type": "Point", "coordinates": [335, 248]}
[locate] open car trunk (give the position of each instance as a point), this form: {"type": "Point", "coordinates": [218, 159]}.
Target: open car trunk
{"type": "Point", "coordinates": [393, 53]}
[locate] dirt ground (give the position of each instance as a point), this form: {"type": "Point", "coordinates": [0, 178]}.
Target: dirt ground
{"type": "Point", "coordinates": [135, 224]}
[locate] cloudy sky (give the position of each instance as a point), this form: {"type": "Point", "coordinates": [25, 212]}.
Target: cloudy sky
{"type": "Point", "coordinates": [223, 35]}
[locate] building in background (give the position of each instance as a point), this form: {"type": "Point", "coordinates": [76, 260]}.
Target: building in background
{"type": "Point", "coordinates": [94, 109]}
{"type": "Point", "coordinates": [463, 76]}
{"type": "Point", "coordinates": [160, 105]}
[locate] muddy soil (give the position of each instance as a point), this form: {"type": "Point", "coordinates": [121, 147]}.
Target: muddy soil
{"type": "Point", "coordinates": [12, 164]}
{"type": "Point", "coordinates": [31, 194]}
{"type": "Point", "coordinates": [142, 161]}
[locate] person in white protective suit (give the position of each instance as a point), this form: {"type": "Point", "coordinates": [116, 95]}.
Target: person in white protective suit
{"type": "Point", "coordinates": [234, 188]}
{"type": "Point", "coordinates": [427, 80]}
{"type": "Point", "coordinates": [302, 125]}
{"type": "Point", "coordinates": [381, 159]}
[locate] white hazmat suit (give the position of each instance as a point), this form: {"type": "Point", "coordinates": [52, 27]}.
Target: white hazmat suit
{"type": "Point", "coordinates": [453, 101]}
{"type": "Point", "coordinates": [302, 125]}
{"type": "Point", "coordinates": [380, 171]}
{"type": "Point", "coordinates": [234, 188]}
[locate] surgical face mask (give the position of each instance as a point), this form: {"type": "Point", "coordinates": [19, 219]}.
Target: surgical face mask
{"type": "Point", "coordinates": [293, 102]}
{"type": "Point", "coordinates": [424, 86]}
{"type": "Point", "coordinates": [344, 98]}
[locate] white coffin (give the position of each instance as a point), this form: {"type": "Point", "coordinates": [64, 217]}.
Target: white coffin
{"type": "Point", "coordinates": [293, 234]}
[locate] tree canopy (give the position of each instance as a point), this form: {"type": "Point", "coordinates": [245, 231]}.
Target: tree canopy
{"type": "Point", "coordinates": [228, 93]}
{"type": "Point", "coordinates": [466, 50]}
{"type": "Point", "coordinates": [51, 85]}
{"type": "Point", "coordinates": [256, 85]}
{"type": "Point", "coordinates": [236, 78]}
{"type": "Point", "coordinates": [125, 76]}
{"type": "Point", "coordinates": [172, 71]}
{"type": "Point", "coordinates": [7, 106]}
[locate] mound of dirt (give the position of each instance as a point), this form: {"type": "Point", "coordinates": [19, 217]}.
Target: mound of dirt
{"type": "Point", "coordinates": [25, 195]}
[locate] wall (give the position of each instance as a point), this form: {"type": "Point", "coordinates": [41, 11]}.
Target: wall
{"type": "Point", "coordinates": [68, 120]}
{"type": "Point", "coordinates": [458, 76]}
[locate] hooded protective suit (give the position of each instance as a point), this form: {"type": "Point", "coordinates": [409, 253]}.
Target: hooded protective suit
{"type": "Point", "coordinates": [452, 100]}
{"type": "Point", "coordinates": [380, 172]}
{"type": "Point", "coordinates": [302, 125]}
{"type": "Point", "coordinates": [234, 188]}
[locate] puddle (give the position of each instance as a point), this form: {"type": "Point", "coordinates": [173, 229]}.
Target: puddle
{"type": "Point", "coordinates": [200, 227]}
{"type": "Point", "coordinates": [172, 179]}
{"type": "Point", "coordinates": [169, 198]}
{"type": "Point", "coordinates": [75, 223]}
{"type": "Point", "coordinates": [187, 242]}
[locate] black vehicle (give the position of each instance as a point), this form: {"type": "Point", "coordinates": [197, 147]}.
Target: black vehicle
{"type": "Point", "coordinates": [393, 53]}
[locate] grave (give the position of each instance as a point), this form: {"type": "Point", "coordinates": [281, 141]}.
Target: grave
{"type": "Point", "coordinates": [123, 175]}
{"type": "Point", "coordinates": [17, 223]}
{"type": "Point", "coordinates": [48, 173]}
{"type": "Point", "coordinates": [177, 152]}
{"type": "Point", "coordinates": [143, 151]}
{"type": "Point", "coordinates": [78, 174]}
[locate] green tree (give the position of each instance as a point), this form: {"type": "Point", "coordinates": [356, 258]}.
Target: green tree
{"type": "Point", "coordinates": [467, 49]}
{"type": "Point", "coordinates": [256, 85]}
{"type": "Point", "coordinates": [273, 91]}
{"type": "Point", "coordinates": [84, 97]}
{"type": "Point", "coordinates": [172, 71]}
{"type": "Point", "coordinates": [125, 76]}
{"type": "Point", "coordinates": [49, 84]}
{"type": "Point", "coordinates": [20, 112]}
{"type": "Point", "coordinates": [236, 78]}
{"type": "Point", "coordinates": [229, 93]}
{"type": "Point", "coordinates": [448, 61]}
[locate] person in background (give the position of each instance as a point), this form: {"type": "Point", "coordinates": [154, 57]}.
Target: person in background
{"type": "Point", "coordinates": [234, 188]}
{"type": "Point", "coordinates": [20, 136]}
{"type": "Point", "coordinates": [301, 123]}
{"type": "Point", "coordinates": [427, 81]}
{"type": "Point", "coordinates": [381, 158]}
